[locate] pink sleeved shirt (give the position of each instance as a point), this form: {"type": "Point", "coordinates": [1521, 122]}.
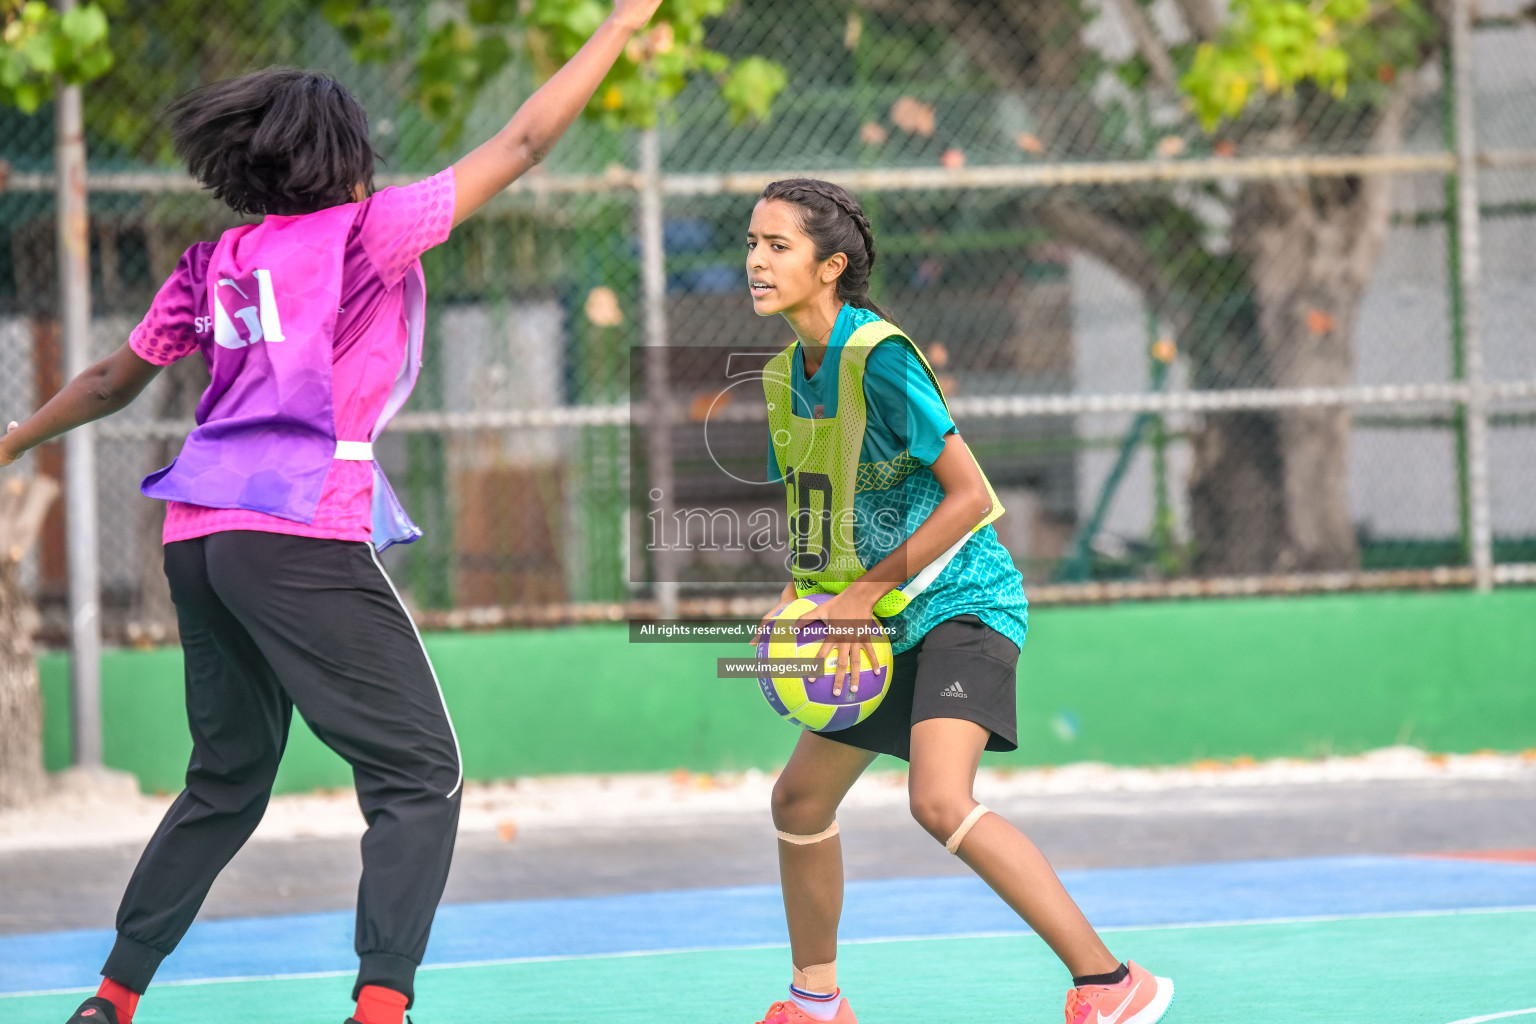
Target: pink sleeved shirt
{"type": "Point", "coordinates": [393, 228]}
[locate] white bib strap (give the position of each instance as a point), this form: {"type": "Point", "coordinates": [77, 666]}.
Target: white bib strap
{"type": "Point", "coordinates": [920, 582]}
{"type": "Point", "coordinates": [354, 451]}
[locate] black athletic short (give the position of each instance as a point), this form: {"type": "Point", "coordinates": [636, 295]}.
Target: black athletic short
{"type": "Point", "coordinates": [962, 668]}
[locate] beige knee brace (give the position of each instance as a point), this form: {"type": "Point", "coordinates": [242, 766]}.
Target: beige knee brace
{"type": "Point", "coordinates": [827, 833]}
{"type": "Point", "coordinates": [820, 978]}
{"type": "Point", "coordinates": [952, 844]}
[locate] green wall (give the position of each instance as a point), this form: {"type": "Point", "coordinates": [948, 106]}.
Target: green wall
{"type": "Point", "coordinates": [1130, 684]}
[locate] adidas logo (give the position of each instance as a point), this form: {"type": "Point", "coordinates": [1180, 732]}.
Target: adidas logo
{"type": "Point", "coordinates": [954, 689]}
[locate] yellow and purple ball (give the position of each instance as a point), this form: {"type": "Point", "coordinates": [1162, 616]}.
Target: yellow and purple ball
{"type": "Point", "coordinates": [808, 701]}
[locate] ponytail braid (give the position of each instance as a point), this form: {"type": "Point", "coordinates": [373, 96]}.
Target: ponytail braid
{"type": "Point", "coordinates": [834, 221]}
{"type": "Point", "coordinates": [850, 206]}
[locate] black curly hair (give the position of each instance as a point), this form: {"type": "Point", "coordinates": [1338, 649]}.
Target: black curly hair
{"type": "Point", "coordinates": [281, 141]}
{"type": "Point", "coordinates": [833, 220]}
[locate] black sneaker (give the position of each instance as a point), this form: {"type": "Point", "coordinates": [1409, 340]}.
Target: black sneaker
{"type": "Point", "coordinates": [95, 1010]}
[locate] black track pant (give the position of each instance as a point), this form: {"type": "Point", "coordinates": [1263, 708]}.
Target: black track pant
{"type": "Point", "coordinates": [271, 622]}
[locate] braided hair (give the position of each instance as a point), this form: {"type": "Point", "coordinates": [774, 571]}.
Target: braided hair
{"type": "Point", "coordinates": [832, 219]}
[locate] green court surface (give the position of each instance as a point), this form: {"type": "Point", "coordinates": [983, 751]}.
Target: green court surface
{"type": "Point", "coordinates": [1430, 968]}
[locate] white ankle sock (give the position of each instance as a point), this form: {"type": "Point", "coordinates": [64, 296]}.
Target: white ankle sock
{"type": "Point", "coordinates": [821, 1007]}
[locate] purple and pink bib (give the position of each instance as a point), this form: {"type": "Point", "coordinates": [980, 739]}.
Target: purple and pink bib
{"type": "Point", "coordinates": [271, 439]}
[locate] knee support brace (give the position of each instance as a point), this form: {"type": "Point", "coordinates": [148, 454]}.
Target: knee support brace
{"type": "Point", "coordinates": [827, 833]}
{"type": "Point", "coordinates": [952, 844]}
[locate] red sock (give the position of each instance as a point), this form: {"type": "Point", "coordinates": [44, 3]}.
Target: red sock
{"type": "Point", "coordinates": [124, 999]}
{"type": "Point", "coordinates": [379, 1005]}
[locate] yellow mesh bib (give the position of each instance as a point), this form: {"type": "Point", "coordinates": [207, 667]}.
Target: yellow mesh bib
{"type": "Point", "coordinates": [819, 461]}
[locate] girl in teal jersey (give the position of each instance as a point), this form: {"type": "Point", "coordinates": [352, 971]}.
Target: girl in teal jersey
{"type": "Point", "coordinates": [956, 641]}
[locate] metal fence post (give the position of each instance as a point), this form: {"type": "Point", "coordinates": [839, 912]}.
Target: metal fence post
{"type": "Point", "coordinates": [1468, 240]}
{"type": "Point", "coordinates": [74, 259]}
{"type": "Point", "coordinates": [653, 276]}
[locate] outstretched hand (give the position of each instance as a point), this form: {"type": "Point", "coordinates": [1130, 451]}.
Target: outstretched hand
{"type": "Point", "coordinates": [538, 124]}
{"type": "Point", "coordinates": [635, 13]}
{"type": "Point", "coordinates": [6, 455]}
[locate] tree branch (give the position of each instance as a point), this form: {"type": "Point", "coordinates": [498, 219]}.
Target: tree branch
{"type": "Point", "coordinates": [998, 57]}
{"type": "Point", "coordinates": [1373, 209]}
{"type": "Point", "coordinates": [1085, 228]}
{"type": "Point", "coordinates": [1200, 16]}
{"type": "Point", "coordinates": [1149, 44]}
{"type": "Point", "coordinates": [23, 504]}
{"type": "Point", "coordinates": [1011, 45]}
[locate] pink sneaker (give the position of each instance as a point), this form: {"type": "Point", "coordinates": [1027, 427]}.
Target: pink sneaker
{"type": "Point", "coordinates": [1139, 999]}
{"type": "Point", "coordinates": [789, 1012]}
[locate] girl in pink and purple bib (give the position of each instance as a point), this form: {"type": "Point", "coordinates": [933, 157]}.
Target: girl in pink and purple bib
{"type": "Point", "coordinates": [310, 322]}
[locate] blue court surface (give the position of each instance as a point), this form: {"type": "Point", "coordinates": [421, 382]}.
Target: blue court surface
{"type": "Point", "coordinates": [1384, 940]}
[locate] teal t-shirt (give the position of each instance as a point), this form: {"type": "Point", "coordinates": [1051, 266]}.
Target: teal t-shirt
{"type": "Point", "coordinates": [904, 413]}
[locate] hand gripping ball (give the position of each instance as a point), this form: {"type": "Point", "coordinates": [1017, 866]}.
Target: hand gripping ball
{"type": "Point", "coordinates": [808, 701]}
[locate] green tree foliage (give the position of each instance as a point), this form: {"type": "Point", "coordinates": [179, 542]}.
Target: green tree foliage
{"type": "Point", "coordinates": [442, 59]}
{"type": "Point", "coordinates": [471, 43]}
{"type": "Point", "coordinates": [154, 51]}
{"type": "Point", "coordinates": [1273, 46]}
{"type": "Point", "coordinates": [39, 45]}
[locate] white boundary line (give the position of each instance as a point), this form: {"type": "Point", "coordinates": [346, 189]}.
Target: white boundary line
{"type": "Point", "coordinates": [1495, 1016]}
{"type": "Point", "coordinates": [881, 940]}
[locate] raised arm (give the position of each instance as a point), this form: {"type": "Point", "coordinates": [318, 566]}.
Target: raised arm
{"type": "Point", "coordinates": [545, 116]}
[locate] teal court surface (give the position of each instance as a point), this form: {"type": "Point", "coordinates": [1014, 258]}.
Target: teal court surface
{"type": "Point", "coordinates": [1376, 940]}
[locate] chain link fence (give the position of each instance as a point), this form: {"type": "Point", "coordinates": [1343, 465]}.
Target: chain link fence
{"type": "Point", "coordinates": [1189, 363]}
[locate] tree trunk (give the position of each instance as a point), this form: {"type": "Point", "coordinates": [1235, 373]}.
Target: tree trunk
{"type": "Point", "coordinates": [21, 705]}
{"type": "Point", "coordinates": [22, 507]}
{"type": "Point", "coordinates": [1269, 492]}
